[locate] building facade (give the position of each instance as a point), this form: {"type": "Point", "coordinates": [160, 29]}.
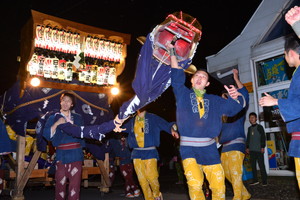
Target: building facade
{"type": "Point", "coordinates": [258, 54]}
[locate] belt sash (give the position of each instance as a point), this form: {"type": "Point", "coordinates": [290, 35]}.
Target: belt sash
{"type": "Point", "coordinates": [196, 142]}
{"type": "Point", "coordinates": [145, 148]}
{"type": "Point", "coordinates": [296, 136]}
{"type": "Point", "coordinates": [235, 141]}
{"type": "Point", "coordinates": [67, 146]}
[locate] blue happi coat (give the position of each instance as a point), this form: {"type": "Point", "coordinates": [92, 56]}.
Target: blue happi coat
{"type": "Point", "coordinates": [153, 126]}
{"type": "Point", "coordinates": [233, 135]}
{"type": "Point", "coordinates": [290, 111]}
{"type": "Point", "coordinates": [118, 150]}
{"type": "Point", "coordinates": [209, 126]}
{"type": "Point", "coordinates": [65, 156]}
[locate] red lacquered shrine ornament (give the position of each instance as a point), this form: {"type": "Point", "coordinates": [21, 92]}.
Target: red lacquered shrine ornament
{"type": "Point", "coordinates": [179, 29]}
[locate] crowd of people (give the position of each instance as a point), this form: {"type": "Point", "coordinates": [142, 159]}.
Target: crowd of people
{"type": "Point", "coordinates": [202, 120]}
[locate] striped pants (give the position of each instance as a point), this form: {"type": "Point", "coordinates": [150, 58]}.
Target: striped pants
{"type": "Point", "coordinates": [127, 172]}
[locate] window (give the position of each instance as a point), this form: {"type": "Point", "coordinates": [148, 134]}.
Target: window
{"type": "Point", "coordinates": [273, 70]}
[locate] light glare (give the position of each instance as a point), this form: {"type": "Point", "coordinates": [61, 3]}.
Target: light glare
{"type": "Point", "coordinates": [35, 82]}
{"type": "Point", "coordinates": [115, 91]}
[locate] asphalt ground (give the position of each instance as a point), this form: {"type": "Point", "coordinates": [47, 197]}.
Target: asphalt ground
{"type": "Point", "coordinates": [278, 188]}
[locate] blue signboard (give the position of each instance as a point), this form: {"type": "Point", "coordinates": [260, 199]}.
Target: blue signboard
{"type": "Point", "coordinates": [274, 70]}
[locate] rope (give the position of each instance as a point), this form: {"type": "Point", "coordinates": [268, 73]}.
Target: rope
{"type": "Point", "coordinates": [53, 95]}
{"type": "Point", "coordinates": [85, 101]}
{"type": "Point", "coordinates": [32, 102]}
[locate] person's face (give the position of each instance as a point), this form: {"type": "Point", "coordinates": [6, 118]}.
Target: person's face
{"type": "Point", "coordinates": [200, 80]}
{"type": "Point", "coordinates": [291, 58]}
{"type": "Point", "coordinates": [66, 103]}
{"type": "Point", "coordinates": [252, 119]}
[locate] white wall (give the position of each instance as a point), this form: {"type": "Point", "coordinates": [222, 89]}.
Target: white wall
{"type": "Point", "coordinates": [245, 48]}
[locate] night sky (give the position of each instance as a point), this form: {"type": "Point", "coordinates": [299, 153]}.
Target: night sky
{"type": "Point", "coordinates": [221, 22]}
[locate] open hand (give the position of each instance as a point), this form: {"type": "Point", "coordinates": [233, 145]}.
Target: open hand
{"type": "Point", "coordinates": [268, 100]}
{"type": "Point", "coordinates": [232, 91]}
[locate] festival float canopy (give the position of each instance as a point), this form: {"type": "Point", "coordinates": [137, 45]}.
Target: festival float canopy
{"type": "Point", "coordinates": [64, 56]}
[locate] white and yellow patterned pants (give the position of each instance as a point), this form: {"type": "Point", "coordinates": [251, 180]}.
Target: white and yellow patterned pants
{"type": "Point", "coordinates": [146, 171]}
{"type": "Point", "coordinates": [297, 166]}
{"type": "Point", "coordinates": [232, 163]}
{"type": "Point", "coordinates": [195, 176]}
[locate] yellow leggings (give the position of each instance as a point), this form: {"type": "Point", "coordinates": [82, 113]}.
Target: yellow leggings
{"type": "Point", "coordinates": [195, 176]}
{"type": "Point", "coordinates": [147, 174]}
{"type": "Point", "coordinates": [297, 166]}
{"type": "Point", "coordinates": [232, 163]}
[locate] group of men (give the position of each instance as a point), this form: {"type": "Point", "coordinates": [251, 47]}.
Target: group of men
{"type": "Point", "coordinates": [198, 121]}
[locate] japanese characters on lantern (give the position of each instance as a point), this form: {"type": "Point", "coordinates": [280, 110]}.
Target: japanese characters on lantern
{"type": "Point", "coordinates": [56, 50]}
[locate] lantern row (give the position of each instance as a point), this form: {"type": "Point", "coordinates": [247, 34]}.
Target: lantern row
{"type": "Point", "coordinates": [60, 40]}
{"type": "Point", "coordinates": [62, 70]}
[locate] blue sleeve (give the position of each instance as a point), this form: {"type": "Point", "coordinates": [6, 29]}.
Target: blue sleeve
{"type": "Point", "coordinates": [177, 78]}
{"type": "Point", "coordinates": [245, 93]}
{"type": "Point", "coordinates": [162, 124]}
{"type": "Point", "coordinates": [128, 125]}
{"type": "Point", "coordinates": [289, 109]}
{"type": "Point", "coordinates": [47, 128]}
{"type": "Point", "coordinates": [231, 107]}
{"type": "Point", "coordinates": [96, 132]}
{"type": "Point", "coordinates": [178, 83]}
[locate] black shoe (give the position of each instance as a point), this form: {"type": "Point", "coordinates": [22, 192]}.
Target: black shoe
{"type": "Point", "coordinates": [254, 183]}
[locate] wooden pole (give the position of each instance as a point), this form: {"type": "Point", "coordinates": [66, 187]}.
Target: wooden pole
{"type": "Point", "coordinates": [18, 194]}
{"type": "Point", "coordinates": [104, 168]}
{"type": "Point", "coordinates": [29, 170]}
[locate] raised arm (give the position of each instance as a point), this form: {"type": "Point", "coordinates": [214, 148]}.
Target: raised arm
{"type": "Point", "coordinates": [96, 132]}
{"type": "Point", "coordinates": [236, 78]}
{"type": "Point", "coordinates": [292, 17]}
{"type": "Point", "coordinates": [174, 62]}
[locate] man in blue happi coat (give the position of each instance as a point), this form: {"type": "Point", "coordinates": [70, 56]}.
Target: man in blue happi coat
{"type": "Point", "coordinates": [199, 122]}
{"type": "Point", "coordinates": [233, 139]}
{"type": "Point", "coordinates": [290, 108]}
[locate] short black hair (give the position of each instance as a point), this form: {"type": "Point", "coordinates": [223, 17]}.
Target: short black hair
{"type": "Point", "coordinates": [72, 96]}
{"type": "Point", "coordinates": [253, 113]}
{"type": "Point", "coordinates": [201, 70]}
{"type": "Point", "coordinates": [292, 43]}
